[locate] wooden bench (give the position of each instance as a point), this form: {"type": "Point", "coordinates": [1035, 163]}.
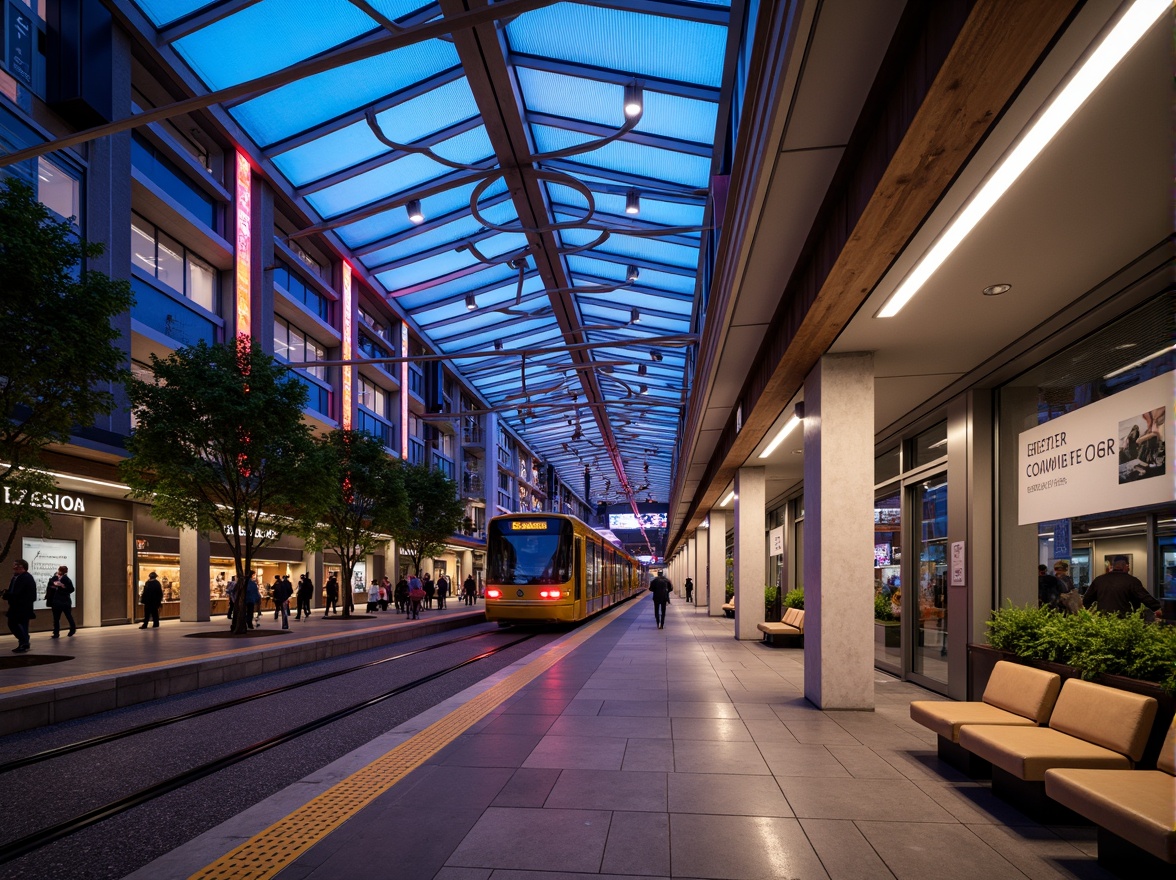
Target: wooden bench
{"type": "Point", "coordinates": [791, 625]}
{"type": "Point", "coordinates": [1135, 811]}
{"type": "Point", "coordinates": [1015, 695]}
{"type": "Point", "coordinates": [1091, 727]}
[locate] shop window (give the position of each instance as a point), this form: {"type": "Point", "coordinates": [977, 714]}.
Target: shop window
{"type": "Point", "coordinates": [164, 258]}
{"type": "Point", "coordinates": [929, 446]}
{"type": "Point", "coordinates": [888, 578]}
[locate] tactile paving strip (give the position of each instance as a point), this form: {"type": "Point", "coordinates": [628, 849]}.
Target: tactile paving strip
{"type": "Point", "coordinates": [270, 851]}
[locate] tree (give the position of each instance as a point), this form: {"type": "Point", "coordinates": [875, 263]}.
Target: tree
{"type": "Point", "coordinates": [430, 518]}
{"type": "Point", "coordinates": [361, 494]}
{"type": "Point", "coordinates": [59, 359]}
{"type": "Point", "coordinates": [220, 445]}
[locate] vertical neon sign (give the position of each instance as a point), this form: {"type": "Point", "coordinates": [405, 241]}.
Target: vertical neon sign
{"type": "Point", "coordinates": [348, 346]}
{"type": "Point", "coordinates": [244, 243]}
{"type": "Point", "coordinates": [404, 391]}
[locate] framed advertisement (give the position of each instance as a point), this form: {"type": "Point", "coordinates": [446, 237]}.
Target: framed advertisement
{"type": "Point", "coordinates": [45, 556]}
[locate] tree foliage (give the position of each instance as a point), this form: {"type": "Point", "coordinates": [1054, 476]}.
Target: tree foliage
{"type": "Point", "coordinates": [360, 495]}
{"type": "Point", "coordinates": [59, 360]}
{"type": "Point", "coordinates": [220, 445]}
{"type": "Point", "coordinates": [431, 515]}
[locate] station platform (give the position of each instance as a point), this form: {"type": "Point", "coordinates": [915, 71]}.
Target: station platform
{"type": "Point", "coordinates": [622, 750]}
{"type": "Point", "coordinates": [102, 668]}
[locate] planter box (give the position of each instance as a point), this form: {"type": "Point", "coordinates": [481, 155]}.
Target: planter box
{"type": "Point", "coordinates": [888, 633]}
{"type": "Point", "coordinates": [982, 658]}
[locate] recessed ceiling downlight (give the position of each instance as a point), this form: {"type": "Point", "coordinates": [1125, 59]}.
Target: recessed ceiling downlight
{"type": "Point", "coordinates": [997, 289]}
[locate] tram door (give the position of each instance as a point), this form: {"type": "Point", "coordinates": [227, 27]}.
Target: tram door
{"type": "Point", "coordinates": [579, 572]}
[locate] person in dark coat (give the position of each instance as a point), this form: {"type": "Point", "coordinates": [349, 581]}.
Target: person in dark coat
{"type": "Point", "coordinates": [1049, 589]}
{"type": "Point", "coordinates": [689, 590]}
{"type": "Point", "coordinates": [282, 592]}
{"type": "Point", "coordinates": [442, 591]}
{"type": "Point", "coordinates": [151, 598]}
{"type": "Point", "coordinates": [400, 594]}
{"type": "Point", "coordinates": [57, 594]}
{"type": "Point", "coordinates": [660, 587]}
{"type": "Point", "coordinates": [332, 596]}
{"type": "Point", "coordinates": [469, 589]}
{"type": "Point", "coordinates": [430, 589]}
{"type": "Point", "coordinates": [1119, 592]}
{"type": "Point", "coordinates": [21, 595]}
{"type": "Point", "coordinates": [252, 602]}
{"type": "Point", "coordinates": [305, 591]}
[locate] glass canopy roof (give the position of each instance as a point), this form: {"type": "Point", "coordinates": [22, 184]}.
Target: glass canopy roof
{"type": "Point", "coordinates": [559, 254]}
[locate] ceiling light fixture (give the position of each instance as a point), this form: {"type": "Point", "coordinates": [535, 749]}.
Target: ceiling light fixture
{"type": "Point", "coordinates": [642, 369]}
{"type": "Point", "coordinates": [996, 289]}
{"type": "Point", "coordinates": [1131, 27]}
{"type": "Point", "coordinates": [727, 500]}
{"type": "Point", "coordinates": [633, 100]}
{"type": "Point", "coordinates": [632, 202]}
{"type": "Point", "coordinates": [634, 316]}
{"type": "Point", "coordinates": [643, 389]}
{"type": "Point", "coordinates": [789, 427]}
{"type": "Point", "coordinates": [414, 211]}
{"type": "Point", "coordinates": [655, 356]}
{"type": "Point", "coordinates": [1140, 362]}
{"type": "Point", "coordinates": [471, 303]}
{"type": "Point", "coordinates": [632, 273]}
{"type": "Point", "coordinates": [498, 345]}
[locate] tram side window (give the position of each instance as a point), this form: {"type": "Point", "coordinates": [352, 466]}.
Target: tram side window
{"type": "Point", "coordinates": [590, 565]}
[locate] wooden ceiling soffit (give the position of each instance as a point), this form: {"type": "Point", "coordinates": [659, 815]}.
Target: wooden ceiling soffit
{"type": "Point", "coordinates": [855, 239]}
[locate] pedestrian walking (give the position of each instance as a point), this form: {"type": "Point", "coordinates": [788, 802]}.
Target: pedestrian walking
{"type": "Point", "coordinates": [252, 602]}
{"type": "Point", "coordinates": [231, 594]}
{"type": "Point", "coordinates": [660, 587]}
{"type": "Point", "coordinates": [689, 590]}
{"type": "Point", "coordinates": [332, 596]}
{"type": "Point", "coordinates": [282, 592]}
{"type": "Point", "coordinates": [469, 589]}
{"type": "Point", "coordinates": [57, 594]}
{"type": "Point", "coordinates": [416, 597]}
{"type": "Point", "coordinates": [373, 602]}
{"type": "Point", "coordinates": [430, 590]}
{"type": "Point", "coordinates": [400, 594]}
{"type": "Point", "coordinates": [151, 598]}
{"type": "Point", "coordinates": [21, 596]}
{"type": "Point", "coordinates": [305, 591]}
{"type": "Point", "coordinates": [442, 591]}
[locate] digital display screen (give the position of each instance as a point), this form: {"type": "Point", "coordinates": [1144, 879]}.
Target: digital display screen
{"type": "Point", "coordinates": [881, 555]}
{"type": "Point", "coordinates": [627, 521]}
{"type": "Point", "coordinates": [528, 526]}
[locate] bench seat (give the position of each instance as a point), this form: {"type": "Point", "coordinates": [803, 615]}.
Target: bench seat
{"type": "Point", "coordinates": [729, 609]}
{"type": "Point", "coordinates": [791, 625]}
{"type": "Point", "coordinates": [1015, 695]}
{"type": "Point", "coordinates": [1137, 806]}
{"type": "Point", "coordinates": [1027, 752]}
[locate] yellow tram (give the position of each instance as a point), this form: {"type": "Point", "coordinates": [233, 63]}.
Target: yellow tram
{"type": "Point", "coordinates": [547, 567]}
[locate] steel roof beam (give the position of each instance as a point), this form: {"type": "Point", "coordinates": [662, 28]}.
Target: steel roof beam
{"type": "Point", "coordinates": [429, 225]}
{"type": "Point", "coordinates": [656, 188]}
{"type": "Point", "coordinates": [657, 141]}
{"type": "Point", "coordinates": [619, 78]}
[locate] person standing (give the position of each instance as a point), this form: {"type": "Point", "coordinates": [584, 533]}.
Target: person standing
{"type": "Point", "coordinates": [21, 595]}
{"type": "Point", "coordinates": [305, 591]}
{"type": "Point", "coordinates": [373, 603]}
{"type": "Point", "coordinates": [275, 589]}
{"type": "Point", "coordinates": [469, 589]}
{"type": "Point", "coordinates": [231, 595]}
{"type": "Point", "coordinates": [151, 598]}
{"type": "Point", "coordinates": [442, 591]}
{"type": "Point", "coordinates": [660, 587]}
{"type": "Point", "coordinates": [1049, 589]}
{"type": "Point", "coordinates": [430, 589]}
{"type": "Point", "coordinates": [332, 596]}
{"type": "Point", "coordinates": [252, 602]}
{"type": "Point", "coordinates": [57, 594]}
{"type": "Point", "coordinates": [400, 594]}
{"type": "Point", "coordinates": [283, 590]}
{"type": "Point", "coordinates": [689, 590]}
{"type": "Point", "coordinates": [1119, 592]}
{"type": "Point", "coordinates": [416, 596]}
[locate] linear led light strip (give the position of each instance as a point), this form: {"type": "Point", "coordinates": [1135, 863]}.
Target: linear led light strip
{"type": "Point", "coordinates": [788, 428]}
{"type": "Point", "coordinates": [1122, 38]}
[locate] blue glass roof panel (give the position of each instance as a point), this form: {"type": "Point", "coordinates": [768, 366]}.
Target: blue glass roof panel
{"type": "Point", "coordinates": [649, 277]}
{"type": "Point", "coordinates": [416, 118]}
{"type": "Point", "coordinates": [395, 220]}
{"type": "Point", "coordinates": [643, 45]}
{"type": "Point", "coordinates": [229, 50]}
{"type": "Point", "coordinates": [569, 203]}
{"type": "Point", "coordinates": [651, 162]}
{"type": "Point", "coordinates": [651, 249]}
{"type": "Point", "coordinates": [308, 102]}
{"type": "Point", "coordinates": [402, 175]}
{"type": "Point", "coordinates": [643, 301]}
{"type": "Point", "coordinates": [594, 101]}
{"type": "Point", "coordinates": [163, 12]}
{"type": "Point", "coordinates": [486, 277]}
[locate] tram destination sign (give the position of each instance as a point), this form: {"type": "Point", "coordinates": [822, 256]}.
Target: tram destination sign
{"type": "Point", "coordinates": [1109, 455]}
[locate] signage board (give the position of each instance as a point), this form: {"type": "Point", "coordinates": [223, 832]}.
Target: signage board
{"type": "Point", "coordinates": [18, 57]}
{"type": "Point", "coordinates": [1108, 455]}
{"type": "Point", "coordinates": [776, 541]}
{"type": "Point", "coordinates": [45, 556]}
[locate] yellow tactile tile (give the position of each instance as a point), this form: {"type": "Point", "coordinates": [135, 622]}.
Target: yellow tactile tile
{"type": "Point", "coordinates": [271, 850]}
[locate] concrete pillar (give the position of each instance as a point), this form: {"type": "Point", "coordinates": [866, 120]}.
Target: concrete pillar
{"type": "Point", "coordinates": [691, 562]}
{"type": "Point", "coordinates": [195, 586]}
{"type": "Point", "coordinates": [467, 567]}
{"type": "Point", "coordinates": [750, 568]}
{"type": "Point", "coordinates": [716, 563]}
{"type": "Point", "coordinates": [839, 503]}
{"type": "Point", "coordinates": [88, 578]}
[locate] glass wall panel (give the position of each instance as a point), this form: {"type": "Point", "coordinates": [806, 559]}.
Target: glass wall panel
{"type": "Point", "coordinates": [929, 576]}
{"type": "Point", "coordinates": [929, 446]}
{"type": "Point", "coordinates": [888, 578]}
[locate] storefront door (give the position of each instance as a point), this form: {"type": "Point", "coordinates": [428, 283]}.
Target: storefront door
{"type": "Point", "coordinates": [926, 601]}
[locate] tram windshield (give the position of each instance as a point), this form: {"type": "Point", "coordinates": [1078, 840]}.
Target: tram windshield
{"type": "Point", "coordinates": [530, 551]}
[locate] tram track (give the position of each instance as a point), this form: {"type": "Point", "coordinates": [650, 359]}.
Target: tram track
{"type": "Point", "coordinates": [42, 837]}
{"type": "Point", "coordinates": [92, 742]}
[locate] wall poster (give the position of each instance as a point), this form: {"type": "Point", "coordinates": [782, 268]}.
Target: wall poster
{"type": "Point", "coordinates": [44, 556]}
{"type": "Point", "coordinates": [1109, 455]}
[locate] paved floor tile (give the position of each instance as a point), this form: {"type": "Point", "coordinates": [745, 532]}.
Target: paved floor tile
{"type": "Point", "coordinates": [527, 787]}
{"type": "Point", "coordinates": [863, 762]}
{"type": "Point", "coordinates": [488, 750]}
{"type": "Point", "coordinates": [915, 851]}
{"type": "Point", "coordinates": [578, 753]}
{"type": "Point", "coordinates": [843, 851]}
{"type": "Point", "coordinates": [686, 709]}
{"type": "Point", "coordinates": [728, 795]}
{"type": "Point", "coordinates": [609, 790]}
{"type": "Point", "coordinates": [704, 756]}
{"type": "Point", "coordinates": [634, 708]}
{"type": "Point", "coordinates": [894, 800]}
{"type": "Point", "coordinates": [649, 754]}
{"type": "Point", "coordinates": [570, 839]}
{"type": "Point", "coordinates": [741, 848]}
{"type": "Point", "coordinates": [1039, 853]}
{"type": "Point", "coordinates": [799, 759]}
{"type": "Point", "coordinates": [638, 845]}
{"type": "Point", "coordinates": [598, 725]}
{"type": "Point", "coordinates": [722, 729]}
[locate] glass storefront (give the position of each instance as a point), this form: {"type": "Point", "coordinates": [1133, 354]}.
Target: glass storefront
{"type": "Point", "coordinates": [888, 579]}
{"type": "Point", "coordinates": [1091, 376]}
{"type": "Point", "coordinates": [930, 554]}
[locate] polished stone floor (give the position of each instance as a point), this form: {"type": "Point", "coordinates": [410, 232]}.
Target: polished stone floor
{"type": "Point", "coordinates": [681, 752]}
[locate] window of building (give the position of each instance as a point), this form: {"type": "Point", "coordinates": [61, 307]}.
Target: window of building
{"type": "Point", "coordinates": [373, 397]}
{"type": "Point", "coordinates": [292, 344]}
{"type": "Point", "coordinates": [287, 278]}
{"type": "Point", "coordinates": [168, 177]}
{"type": "Point", "coordinates": [164, 258]}
{"type": "Point", "coordinates": [929, 446]}
{"type": "Point", "coordinates": [58, 190]}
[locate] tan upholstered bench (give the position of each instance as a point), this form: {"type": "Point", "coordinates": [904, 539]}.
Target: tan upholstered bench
{"type": "Point", "coordinates": [1135, 811]}
{"type": "Point", "coordinates": [729, 608]}
{"type": "Point", "coordinates": [1092, 727]}
{"type": "Point", "coordinates": [1015, 695]}
{"type": "Point", "coordinates": [791, 625]}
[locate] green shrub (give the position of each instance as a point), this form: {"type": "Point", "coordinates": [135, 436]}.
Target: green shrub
{"type": "Point", "coordinates": [770, 594]}
{"type": "Point", "coordinates": [729, 592]}
{"type": "Point", "coordinates": [883, 610]}
{"type": "Point", "coordinates": [1090, 641]}
{"type": "Point", "coordinates": [794, 599]}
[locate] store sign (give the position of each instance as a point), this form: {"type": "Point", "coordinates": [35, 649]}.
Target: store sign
{"type": "Point", "coordinates": [47, 500]}
{"type": "Point", "coordinates": [19, 57]}
{"type": "Point", "coordinates": [1107, 456]}
{"type": "Point", "coordinates": [45, 556]}
{"type": "Point", "coordinates": [776, 541]}
{"type": "Point", "coordinates": [267, 535]}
